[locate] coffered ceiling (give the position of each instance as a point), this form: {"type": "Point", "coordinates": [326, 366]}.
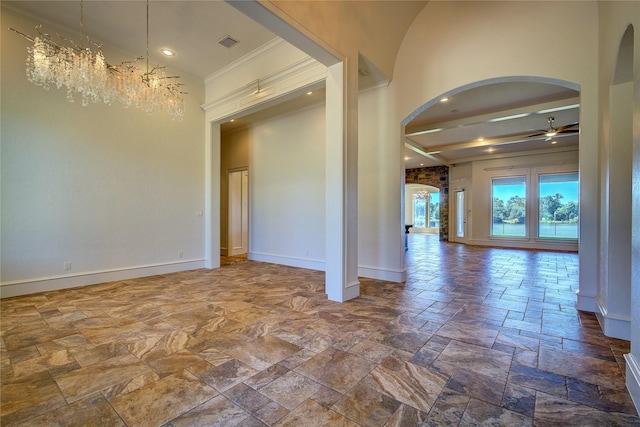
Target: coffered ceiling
{"type": "Point", "coordinates": [495, 120]}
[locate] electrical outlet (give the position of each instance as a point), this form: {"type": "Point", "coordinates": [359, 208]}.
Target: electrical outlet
{"type": "Point", "coordinates": [67, 265]}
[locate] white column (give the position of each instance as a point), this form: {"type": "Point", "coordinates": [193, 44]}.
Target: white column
{"type": "Point", "coordinates": [341, 283]}
{"type": "Point", "coordinates": [588, 245]}
{"type": "Point", "coordinates": [212, 196]}
{"type": "Point", "coordinates": [615, 315]}
{"type": "Point", "coordinates": [633, 358]}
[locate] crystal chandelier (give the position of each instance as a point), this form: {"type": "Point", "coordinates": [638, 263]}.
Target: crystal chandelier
{"type": "Point", "coordinates": [87, 74]}
{"type": "Point", "coordinates": [422, 194]}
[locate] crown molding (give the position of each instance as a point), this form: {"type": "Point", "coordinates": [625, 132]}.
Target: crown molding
{"type": "Point", "coordinates": [286, 81]}
{"type": "Point", "coordinates": [265, 49]}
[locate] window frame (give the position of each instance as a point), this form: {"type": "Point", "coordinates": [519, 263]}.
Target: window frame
{"type": "Point", "coordinates": [525, 177]}
{"type": "Point", "coordinates": [532, 202]}
{"type": "Point", "coordinates": [426, 210]}
{"type": "Point", "coordinates": [546, 171]}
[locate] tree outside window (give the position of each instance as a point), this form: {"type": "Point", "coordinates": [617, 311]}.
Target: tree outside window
{"type": "Point", "coordinates": [426, 209]}
{"type": "Point", "coordinates": [557, 200]}
{"type": "Point", "coordinates": [420, 210]}
{"type": "Point", "coordinates": [559, 206]}
{"type": "Point", "coordinates": [508, 210]}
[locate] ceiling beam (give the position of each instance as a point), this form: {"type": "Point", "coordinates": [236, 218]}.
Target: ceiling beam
{"type": "Point", "coordinates": [488, 142]}
{"type": "Point", "coordinates": [545, 108]}
{"type": "Point", "coordinates": [271, 17]}
{"type": "Point", "coordinates": [495, 156]}
{"type": "Point", "coordinates": [414, 146]}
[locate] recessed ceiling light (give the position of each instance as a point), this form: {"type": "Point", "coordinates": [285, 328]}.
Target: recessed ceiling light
{"type": "Point", "coordinates": [309, 93]}
{"type": "Point", "coordinates": [444, 99]}
{"type": "Point", "coordinates": [407, 158]}
{"type": "Point", "coordinates": [167, 52]}
{"type": "Point", "coordinates": [481, 139]}
{"type": "Point", "coordinates": [232, 120]}
{"type": "Point", "coordinates": [554, 142]}
{"type": "Point", "coordinates": [421, 164]}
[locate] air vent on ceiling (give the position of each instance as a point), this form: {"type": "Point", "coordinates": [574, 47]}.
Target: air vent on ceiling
{"type": "Point", "coordinates": [228, 41]}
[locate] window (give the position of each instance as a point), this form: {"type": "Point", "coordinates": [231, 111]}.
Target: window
{"type": "Point", "coordinates": [419, 210]}
{"type": "Point", "coordinates": [539, 203]}
{"type": "Point", "coordinates": [434, 210]}
{"type": "Point", "coordinates": [559, 206]}
{"type": "Point", "coordinates": [460, 211]}
{"type": "Point", "coordinates": [508, 207]}
{"type": "Point", "coordinates": [426, 210]}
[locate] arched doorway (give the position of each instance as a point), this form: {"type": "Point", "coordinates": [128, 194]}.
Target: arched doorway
{"type": "Point", "coordinates": [435, 178]}
{"type": "Point", "coordinates": [520, 126]}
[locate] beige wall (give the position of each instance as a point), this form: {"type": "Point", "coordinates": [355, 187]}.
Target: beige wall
{"type": "Point", "coordinates": [116, 192]}
{"type": "Point", "coordinates": [479, 221]}
{"type": "Point", "coordinates": [287, 205]}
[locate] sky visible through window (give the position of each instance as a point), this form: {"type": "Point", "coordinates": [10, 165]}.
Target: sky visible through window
{"type": "Point", "coordinates": [568, 189]}
{"type": "Point", "coordinates": [505, 192]}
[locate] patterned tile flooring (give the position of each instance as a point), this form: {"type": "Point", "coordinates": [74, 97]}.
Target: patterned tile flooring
{"type": "Point", "coordinates": [476, 336]}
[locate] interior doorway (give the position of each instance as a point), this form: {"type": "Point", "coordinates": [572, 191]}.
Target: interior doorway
{"type": "Point", "coordinates": [238, 212]}
{"type": "Point", "coordinates": [422, 208]}
{"type": "Point", "coordinates": [460, 216]}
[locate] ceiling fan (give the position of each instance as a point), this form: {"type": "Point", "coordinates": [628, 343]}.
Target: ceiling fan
{"type": "Point", "coordinates": [552, 132]}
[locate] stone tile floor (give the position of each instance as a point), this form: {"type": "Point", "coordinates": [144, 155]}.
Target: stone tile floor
{"type": "Point", "coordinates": [476, 336]}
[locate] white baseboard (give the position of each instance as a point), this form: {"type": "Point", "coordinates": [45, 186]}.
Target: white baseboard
{"type": "Point", "coordinates": [369, 272]}
{"type": "Point", "coordinates": [633, 379]}
{"type": "Point", "coordinates": [526, 244]}
{"type": "Point", "coordinates": [586, 302]}
{"type": "Point", "coordinates": [351, 291]}
{"type": "Point", "coordinates": [614, 326]}
{"type": "Point", "coordinates": [378, 273]}
{"type": "Point", "coordinates": [311, 264]}
{"type": "Point", "coordinates": [54, 283]}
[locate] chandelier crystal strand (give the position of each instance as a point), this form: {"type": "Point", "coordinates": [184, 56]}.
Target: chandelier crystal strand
{"type": "Point", "coordinates": [86, 74]}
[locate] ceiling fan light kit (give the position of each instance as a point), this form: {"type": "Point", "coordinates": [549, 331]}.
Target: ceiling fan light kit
{"type": "Point", "coordinates": [552, 132]}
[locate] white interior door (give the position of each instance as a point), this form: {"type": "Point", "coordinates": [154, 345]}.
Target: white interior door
{"type": "Point", "coordinates": [238, 237]}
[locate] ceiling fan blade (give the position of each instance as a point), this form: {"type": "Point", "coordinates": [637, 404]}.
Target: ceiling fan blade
{"type": "Point", "coordinates": [563, 128]}
{"type": "Point", "coordinates": [540, 133]}
{"type": "Point", "coordinates": [569, 131]}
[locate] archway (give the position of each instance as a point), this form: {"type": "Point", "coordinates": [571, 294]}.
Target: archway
{"type": "Point", "coordinates": [509, 126]}
{"type": "Point", "coordinates": [436, 177]}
